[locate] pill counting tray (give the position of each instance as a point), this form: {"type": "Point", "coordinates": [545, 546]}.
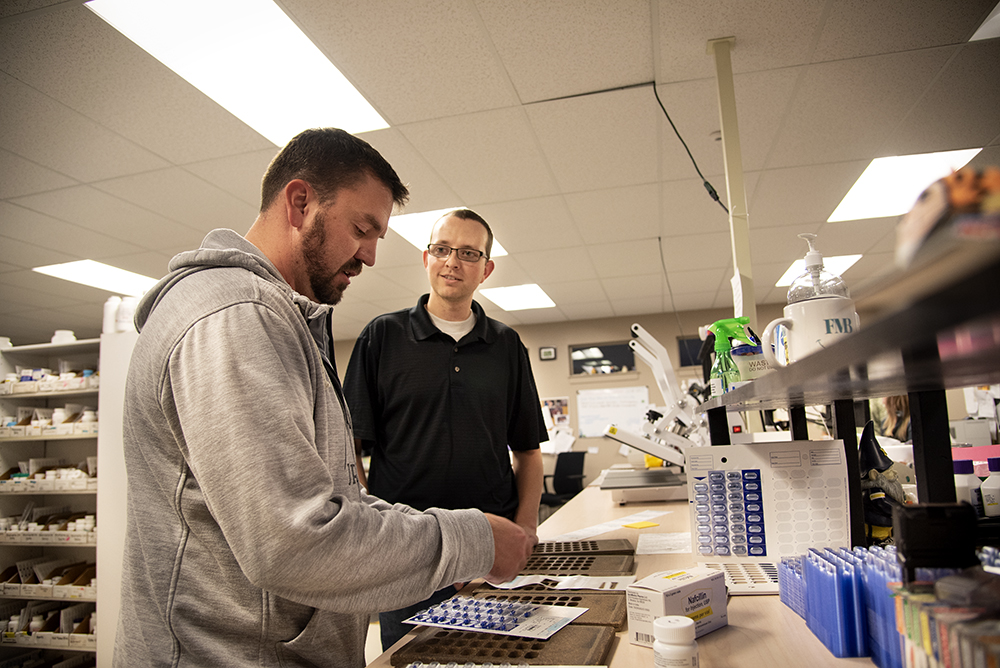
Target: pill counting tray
{"type": "Point", "coordinates": [613, 546]}
{"type": "Point", "coordinates": [578, 564]}
{"type": "Point", "coordinates": [572, 645]}
{"type": "Point", "coordinates": [602, 609]}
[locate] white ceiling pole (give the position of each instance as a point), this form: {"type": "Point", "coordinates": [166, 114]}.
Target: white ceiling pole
{"type": "Point", "coordinates": [744, 303]}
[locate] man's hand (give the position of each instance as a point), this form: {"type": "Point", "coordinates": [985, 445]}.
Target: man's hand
{"type": "Point", "coordinates": [511, 549]}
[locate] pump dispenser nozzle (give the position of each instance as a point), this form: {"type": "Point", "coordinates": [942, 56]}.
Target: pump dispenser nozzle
{"type": "Point", "coordinates": [815, 281]}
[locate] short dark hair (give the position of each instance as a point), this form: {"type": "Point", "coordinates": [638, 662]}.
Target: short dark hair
{"type": "Point", "coordinates": [328, 159]}
{"type": "Point", "coordinates": [469, 214]}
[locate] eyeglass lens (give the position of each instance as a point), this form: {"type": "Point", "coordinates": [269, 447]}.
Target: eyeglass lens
{"type": "Point", "coordinates": [464, 254]}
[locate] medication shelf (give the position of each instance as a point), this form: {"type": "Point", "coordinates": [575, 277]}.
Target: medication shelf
{"type": "Point", "coordinates": [931, 327]}
{"type": "Point", "coordinates": [72, 448]}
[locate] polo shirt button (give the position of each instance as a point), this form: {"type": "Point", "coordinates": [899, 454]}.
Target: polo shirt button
{"type": "Point", "coordinates": [456, 349]}
{"type": "Point", "coordinates": [456, 369]}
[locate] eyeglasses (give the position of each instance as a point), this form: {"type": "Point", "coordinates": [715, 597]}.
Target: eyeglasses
{"type": "Point", "coordinates": [464, 254]}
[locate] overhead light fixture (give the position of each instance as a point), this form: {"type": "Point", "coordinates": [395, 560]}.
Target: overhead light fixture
{"type": "Point", "coordinates": [101, 276]}
{"type": "Point", "coordinates": [518, 297]}
{"type": "Point", "coordinates": [990, 27]}
{"type": "Point", "coordinates": [416, 228]}
{"type": "Point", "coordinates": [890, 186]}
{"type": "Point", "coordinates": [592, 353]}
{"type": "Point", "coordinates": [234, 50]}
{"type": "Point", "coordinates": [835, 264]}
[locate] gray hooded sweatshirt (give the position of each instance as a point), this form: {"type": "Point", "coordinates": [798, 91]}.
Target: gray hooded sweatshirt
{"type": "Point", "coordinates": [249, 540]}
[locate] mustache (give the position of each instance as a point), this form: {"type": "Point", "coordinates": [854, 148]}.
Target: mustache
{"type": "Point", "coordinates": [352, 266]}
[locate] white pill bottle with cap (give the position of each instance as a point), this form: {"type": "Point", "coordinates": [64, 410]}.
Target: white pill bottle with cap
{"type": "Point", "coordinates": [674, 645]}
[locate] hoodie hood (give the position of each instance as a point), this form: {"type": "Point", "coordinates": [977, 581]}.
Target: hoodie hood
{"type": "Point", "coordinates": [226, 248]}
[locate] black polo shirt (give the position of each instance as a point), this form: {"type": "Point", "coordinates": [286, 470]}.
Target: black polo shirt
{"type": "Point", "coordinates": [440, 414]}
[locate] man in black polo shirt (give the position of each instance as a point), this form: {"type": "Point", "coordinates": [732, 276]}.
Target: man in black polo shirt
{"type": "Point", "coordinates": [439, 391]}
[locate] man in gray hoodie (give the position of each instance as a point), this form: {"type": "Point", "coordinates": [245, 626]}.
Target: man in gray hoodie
{"type": "Point", "coordinates": [249, 539]}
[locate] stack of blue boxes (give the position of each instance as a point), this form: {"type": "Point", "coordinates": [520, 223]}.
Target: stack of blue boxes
{"type": "Point", "coordinates": [844, 597]}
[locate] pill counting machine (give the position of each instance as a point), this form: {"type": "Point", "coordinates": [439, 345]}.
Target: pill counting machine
{"type": "Point", "coordinates": [666, 432]}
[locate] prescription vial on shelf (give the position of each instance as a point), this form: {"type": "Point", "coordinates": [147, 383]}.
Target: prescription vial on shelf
{"type": "Point", "coordinates": [674, 645]}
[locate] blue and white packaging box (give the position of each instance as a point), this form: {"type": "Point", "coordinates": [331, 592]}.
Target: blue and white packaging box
{"type": "Point", "coordinates": [698, 592]}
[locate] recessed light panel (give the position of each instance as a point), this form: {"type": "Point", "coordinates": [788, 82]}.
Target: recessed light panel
{"type": "Point", "coordinates": [101, 276]}
{"type": "Point", "coordinates": [250, 58]}
{"type": "Point", "coordinates": [890, 186]}
{"type": "Point", "coordinates": [518, 297]}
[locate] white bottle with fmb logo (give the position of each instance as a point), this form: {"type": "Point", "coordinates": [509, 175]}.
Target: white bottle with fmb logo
{"type": "Point", "coordinates": [820, 311]}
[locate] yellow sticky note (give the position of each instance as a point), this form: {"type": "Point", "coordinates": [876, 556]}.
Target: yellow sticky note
{"type": "Point", "coordinates": [640, 525]}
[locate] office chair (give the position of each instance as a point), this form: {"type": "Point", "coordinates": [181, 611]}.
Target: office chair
{"type": "Point", "coordinates": [567, 479]}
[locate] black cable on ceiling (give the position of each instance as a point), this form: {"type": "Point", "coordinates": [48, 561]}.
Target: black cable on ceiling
{"type": "Point", "coordinates": [708, 186]}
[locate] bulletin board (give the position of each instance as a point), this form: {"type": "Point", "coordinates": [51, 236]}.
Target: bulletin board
{"type": "Point", "coordinates": [622, 406]}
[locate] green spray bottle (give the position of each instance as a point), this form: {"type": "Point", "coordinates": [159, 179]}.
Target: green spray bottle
{"type": "Point", "coordinates": [724, 372]}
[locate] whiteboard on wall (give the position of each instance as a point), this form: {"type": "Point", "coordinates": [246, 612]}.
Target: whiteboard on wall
{"type": "Point", "coordinates": [622, 406]}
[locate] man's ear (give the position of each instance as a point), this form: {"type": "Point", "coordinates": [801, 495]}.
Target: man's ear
{"type": "Point", "coordinates": [297, 195]}
{"type": "Point", "coordinates": [487, 270]}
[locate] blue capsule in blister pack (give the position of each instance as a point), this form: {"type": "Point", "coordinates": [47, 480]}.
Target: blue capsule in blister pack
{"type": "Point", "coordinates": [464, 612]}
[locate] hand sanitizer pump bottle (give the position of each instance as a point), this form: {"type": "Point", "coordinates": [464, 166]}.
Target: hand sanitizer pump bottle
{"type": "Point", "coordinates": [820, 310]}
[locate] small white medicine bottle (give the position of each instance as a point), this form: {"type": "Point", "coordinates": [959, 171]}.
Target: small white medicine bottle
{"type": "Point", "coordinates": [675, 646]}
{"type": "Point", "coordinates": [968, 485]}
{"type": "Point", "coordinates": [991, 488]}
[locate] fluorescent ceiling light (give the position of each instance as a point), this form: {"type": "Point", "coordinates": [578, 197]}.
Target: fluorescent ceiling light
{"type": "Point", "coordinates": [592, 353]}
{"type": "Point", "coordinates": [990, 27]}
{"type": "Point", "coordinates": [835, 264]}
{"type": "Point", "coordinates": [416, 228]}
{"type": "Point", "coordinates": [518, 297]}
{"type": "Point", "coordinates": [890, 186]}
{"type": "Point", "coordinates": [100, 276]}
{"type": "Point", "coordinates": [233, 50]}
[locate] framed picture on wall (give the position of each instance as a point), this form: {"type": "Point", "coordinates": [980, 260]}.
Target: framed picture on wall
{"type": "Point", "coordinates": [547, 353]}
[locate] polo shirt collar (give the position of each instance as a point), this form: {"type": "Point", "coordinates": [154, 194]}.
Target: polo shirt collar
{"type": "Point", "coordinates": [423, 327]}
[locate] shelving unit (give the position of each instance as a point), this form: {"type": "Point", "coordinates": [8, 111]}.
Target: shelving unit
{"type": "Point", "coordinates": [932, 327]}
{"type": "Point", "coordinates": [78, 496]}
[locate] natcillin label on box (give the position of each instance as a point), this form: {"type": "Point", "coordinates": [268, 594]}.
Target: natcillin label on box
{"type": "Point", "coordinates": [698, 593]}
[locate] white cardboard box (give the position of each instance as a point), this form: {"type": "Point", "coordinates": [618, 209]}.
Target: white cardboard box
{"type": "Point", "coordinates": [697, 592]}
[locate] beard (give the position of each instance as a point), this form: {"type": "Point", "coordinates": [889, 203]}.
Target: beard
{"type": "Point", "coordinates": [322, 279]}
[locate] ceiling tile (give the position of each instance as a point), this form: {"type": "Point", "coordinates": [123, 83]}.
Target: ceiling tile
{"type": "Point", "coordinates": [599, 141]}
{"type": "Point", "coordinates": [23, 177]}
{"type": "Point", "coordinates": [616, 214]}
{"type": "Point", "coordinates": [626, 258]}
{"type": "Point", "coordinates": [697, 251]}
{"type": "Point", "coordinates": [183, 197]}
{"type": "Point", "coordinates": [770, 34]}
{"type": "Point", "coordinates": [239, 175]}
{"type": "Point", "coordinates": [564, 293]}
{"type": "Point", "coordinates": [637, 306]}
{"type": "Point", "coordinates": [960, 109]}
{"type": "Point", "coordinates": [412, 59]}
{"type": "Point", "coordinates": [48, 133]}
{"type": "Point", "coordinates": [562, 264]}
{"type": "Point", "coordinates": [502, 164]}
{"type": "Point", "coordinates": [47, 232]}
{"type": "Point", "coordinates": [529, 224]}
{"type": "Point", "coordinates": [859, 28]}
{"type": "Point", "coordinates": [633, 287]}
{"type": "Point", "coordinates": [599, 45]}
{"type": "Point", "coordinates": [87, 207]}
{"type": "Point", "coordinates": [588, 310]}
{"type": "Point", "coordinates": [845, 110]}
